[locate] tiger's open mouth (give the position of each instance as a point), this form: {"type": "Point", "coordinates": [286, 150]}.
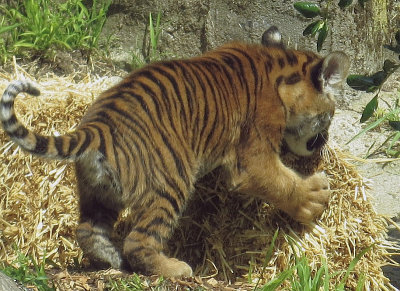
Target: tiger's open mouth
{"type": "Point", "coordinates": [317, 141]}
{"type": "Point", "coordinates": [305, 145]}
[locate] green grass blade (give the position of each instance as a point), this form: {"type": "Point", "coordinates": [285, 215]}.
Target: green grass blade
{"type": "Point", "coordinates": [268, 255]}
{"type": "Point", "coordinates": [361, 282]}
{"type": "Point", "coordinates": [276, 282]}
{"type": "Point", "coordinates": [4, 29]}
{"type": "Point", "coordinates": [352, 265]}
{"type": "Point", "coordinates": [369, 127]}
{"type": "Point", "coordinates": [395, 138]}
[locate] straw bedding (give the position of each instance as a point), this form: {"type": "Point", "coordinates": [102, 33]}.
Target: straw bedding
{"type": "Point", "coordinates": [222, 235]}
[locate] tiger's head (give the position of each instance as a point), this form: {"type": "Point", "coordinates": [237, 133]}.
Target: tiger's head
{"type": "Point", "coordinates": [307, 87]}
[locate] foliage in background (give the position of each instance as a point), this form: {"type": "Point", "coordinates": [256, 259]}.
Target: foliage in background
{"type": "Point", "coordinates": [320, 26]}
{"type": "Point", "coordinates": [35, 27]}
{"type": "Point", "coordinates": [150, 51]}
{"type": "Point", "coordinates": [28, 272]}
{"type": "Point", "coordinates": [373, 84]}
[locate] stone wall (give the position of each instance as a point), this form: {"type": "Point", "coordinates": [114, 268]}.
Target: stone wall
{"type": "Point", "coordinates": [193, 26]}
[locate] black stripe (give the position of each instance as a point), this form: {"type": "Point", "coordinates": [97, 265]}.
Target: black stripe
{"type": "Point", "coordinates": [42, 144]}
{"type": "Point", "coordinates": [59, 142]}
{"type": "Point", "coordinates": [201, 69]}
{"type": "Point", "coordinates": [291, 58]}
{"type": "Point", "coordinates": [305, 64]}
{"type": "Point", "coordinates": [293, 79]}
{"type": "Point", "coordinates": [278, 81]}
{"type": "Point", "coordinates": [107, 119]}
{"type": "Point", "coordinates": [143, 130]}
{"type": "Point", "coordinates": [315, 74]}
{"type": "Point", "coordinates": [151, 94]}
{"type": "Point", "coordinates": [138, 135]}
{"type": "Point", "coordinates": [256, 81]}
{"type": "Point", "coordinates": [73, 142]}
{"type": "Point", "coordinates": [281, 62]}
{"type": "Point", "coordinates": [178, 161]}
{"type": "Point", "coordinates": [130, 142]}
{"type": "Point", "coordinates": [158, 221]}
{"type": "Point", "coordinates": [167, 213]}
{"type": "Point", "coordinates": [145, 231]}
{"type": "Point", "coordinates": [7, 104]}
{"type": "Point", "coordinates": [220, 113]}
{"type": "Point", "coordinates": [253, 68]}
{"type": "Point", "coordinates": [187, 81]}
{"type": "Point", "coordinates": [171, 200]}
{"type": "Point", "coordinates": [88, 139]}
{"type": "Point", "coordinates": [156, 100]}
{"type": "Point", "coordinates": [21, 132]}
{"type": "Point", "coordinates": [102, 147]}
{"type": "Point", "coordinates": [9, 122]}
{"type": "Point", "coordinates": [242, 79]}
{"type": "Point", "coordinates": [171, 99]}
{"type": "Point", "coordinates": [204, 117]}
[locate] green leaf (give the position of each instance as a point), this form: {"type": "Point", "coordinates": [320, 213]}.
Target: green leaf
{"type": "Point", "coordinates": [379, 77]}
{"type": "Point", "coordinates": [313, 28]}
{"type": "Point", "coordinates": [395, 49]}
{"type": "Point", "coordinates": [323, 33]}
{"type": "Point", "coordinates": [344, 3]}
{"type": "Point", "coordinates": [369, 127]}
{"type": "Point", "coordinates": [277, 281]}
{"type": "Point", "coordinates": [395, 124]}
{"type": "Point", "coordinates": [369, 109]}
{"type": "Point", "coordinates": [360, 82]}
{"type": "Point", "coordinates": [372, 89]}
{"type": "Point", "coordinates": [8, 28]}
{"type": "Point", "coordinates": [307, 9]}
{"type": "Point", "coordinates": [352, 265]}
{"type": "Point", "coordinates": [389, 66]}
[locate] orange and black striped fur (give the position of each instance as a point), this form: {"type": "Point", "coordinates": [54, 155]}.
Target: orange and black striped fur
{"type": "Point", "coordinates": [145, 142]}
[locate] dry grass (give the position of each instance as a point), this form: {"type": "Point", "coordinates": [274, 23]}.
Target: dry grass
{"type": "Point", "coordinates": [225, 236]}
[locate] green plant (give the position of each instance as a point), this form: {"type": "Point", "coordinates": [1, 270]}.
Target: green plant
{"type": "Point", "coordinates": [83, 26]}
{"type": "Point", "coordinates": [27, 271]}
{"type": "Point", "coordinates": [373, 84]}
{"type": "Point", "coordinates": [150, 51]}
{"type": "Point", "coordinates": [303, 278]}
{"type": "Point", "coordinates": [268, 256]}
{"type": "Point", "coordinates": [134, 282]}
{"type": "Point", "coordinates": [320, 26]}
{"type": "Point", "coordinates": [41, 25]}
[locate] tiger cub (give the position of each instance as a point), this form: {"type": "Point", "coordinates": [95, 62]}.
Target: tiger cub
{"type": "Point", "coordinates": [145, 142]}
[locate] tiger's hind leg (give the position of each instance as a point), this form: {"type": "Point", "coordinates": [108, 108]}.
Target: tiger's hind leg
{"type": "Point", "coordinates": [99, 210]}
{"type": "Point", "coordinates": [152, 227]}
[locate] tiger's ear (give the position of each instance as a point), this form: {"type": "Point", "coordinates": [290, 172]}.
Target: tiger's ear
{"type": "Point", "coordinates": [334, 70]}
{"type": "Point", "coordinates": [272, 37]}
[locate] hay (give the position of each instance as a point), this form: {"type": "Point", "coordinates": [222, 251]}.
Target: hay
{"type": "Point", "coordinates": [225, 236]}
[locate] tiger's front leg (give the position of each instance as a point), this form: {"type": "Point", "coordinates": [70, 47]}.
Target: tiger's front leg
{"type": "Point", "coordinates": [153, 225]}
{"type": "Point", "coordinates": [262, 174]}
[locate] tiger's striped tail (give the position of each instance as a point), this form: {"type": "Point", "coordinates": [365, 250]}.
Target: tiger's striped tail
{"type": "Point", "coordinates": [48, 146]}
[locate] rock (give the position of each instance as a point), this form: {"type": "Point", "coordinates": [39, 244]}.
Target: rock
{"type": "Point", "coordinates": [8, 284]}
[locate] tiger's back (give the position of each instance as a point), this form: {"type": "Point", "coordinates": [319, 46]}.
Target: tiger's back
{"type": "Point", "coordinates": [145, 142]}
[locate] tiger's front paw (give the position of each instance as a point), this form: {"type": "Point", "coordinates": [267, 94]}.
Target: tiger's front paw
{"type": "Point", "coordinates": [171, 267]}
{"type": "Point", "coordinates": [311, 198]}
